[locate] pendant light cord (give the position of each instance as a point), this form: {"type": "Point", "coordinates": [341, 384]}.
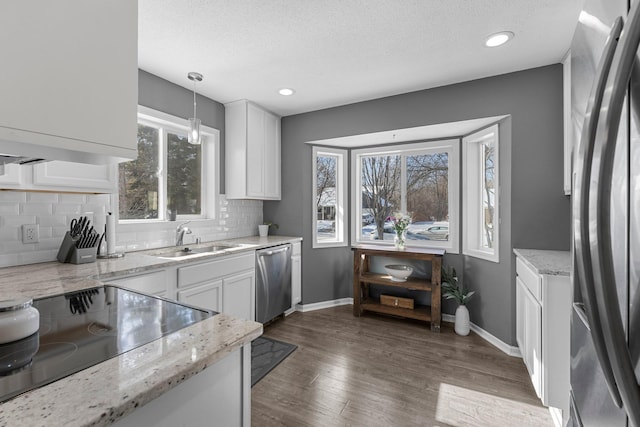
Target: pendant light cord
{"type": "Point", "coordinates": [194, 98]}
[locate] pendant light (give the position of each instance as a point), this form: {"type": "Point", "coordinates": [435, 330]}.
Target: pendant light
{"type": "Point", "coordinates": [194, 123]}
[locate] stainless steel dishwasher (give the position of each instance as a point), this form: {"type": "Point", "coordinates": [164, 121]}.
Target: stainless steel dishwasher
{"type": "Point", "coordinates": [273, 282]}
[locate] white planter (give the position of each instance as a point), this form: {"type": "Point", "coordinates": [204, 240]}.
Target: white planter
{"type": "Point", "coordinates": [462, 320]}
{"type": "Point", "coordinates": [263, 230]}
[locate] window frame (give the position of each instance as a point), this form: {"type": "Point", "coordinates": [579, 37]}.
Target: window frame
{"type": "Point", "coordinates": [341, 197]}
{"type": "Point", "coordinates": [210, 155]}
{"type": "Point", "coordinates": [473, 187]}
{"type": "Point", "coordinates": [452, 147]}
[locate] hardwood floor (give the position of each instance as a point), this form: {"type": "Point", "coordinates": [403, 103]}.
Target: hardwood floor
{"type": "Point", "coordinates": [383, 371]}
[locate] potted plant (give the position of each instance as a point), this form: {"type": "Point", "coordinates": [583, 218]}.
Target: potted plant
{"type": "Point", "coordinates": [263, 229]}
{"type": "Point", "coordinates": [451, 289]}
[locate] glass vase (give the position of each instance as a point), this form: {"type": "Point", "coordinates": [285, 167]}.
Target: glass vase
{"type": "Point", "coordinates": [400, 239]}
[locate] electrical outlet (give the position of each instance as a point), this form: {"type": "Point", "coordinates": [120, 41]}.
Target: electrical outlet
{"type": "Point", "coordinates": [30, 233]}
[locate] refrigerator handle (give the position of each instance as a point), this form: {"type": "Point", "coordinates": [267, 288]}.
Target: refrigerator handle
{"type": "Point", "coordinates": [600, 224]}
{"type": "Point", "coordinates": [582, 254]}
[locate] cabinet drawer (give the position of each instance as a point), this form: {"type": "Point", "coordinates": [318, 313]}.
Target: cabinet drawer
{"type": "Point", "coordinates": [529, 278]}
{"type": "Point", "coordinates": [219, 268]}
{"type": "Point", "coordinates": [151, 283]}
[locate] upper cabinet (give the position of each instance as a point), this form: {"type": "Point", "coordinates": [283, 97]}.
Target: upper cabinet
{"type": "Point", "coordinates": [60, 176]}
{"type": "Point", "coordinates": [252, 152]}
{"type": "Point", "coordinates": [70, 81]}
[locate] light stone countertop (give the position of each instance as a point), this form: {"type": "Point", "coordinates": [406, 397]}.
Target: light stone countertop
{"type": "Point", "coordinates": [102, 394]}
{"type": "Point", "coordinates": [553, 263]}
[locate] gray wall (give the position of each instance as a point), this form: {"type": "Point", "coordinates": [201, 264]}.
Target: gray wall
{"type": "Point", "coordinates": [162, 95]}
{"type": "Point", "coordinates": [535, 213]}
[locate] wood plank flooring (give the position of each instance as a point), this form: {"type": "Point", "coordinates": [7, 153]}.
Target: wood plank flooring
{"type": "Point", "coordinates": [382, 371]}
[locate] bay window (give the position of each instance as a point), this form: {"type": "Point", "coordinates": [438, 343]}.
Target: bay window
{"type": "Point", "coordinates": [329, 197]}
{"type": "Point", "coordinates": [420, 179]}
{"type": "Point", "coordinates": [481, 194]}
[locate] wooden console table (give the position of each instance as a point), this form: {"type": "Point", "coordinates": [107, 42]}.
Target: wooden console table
{"type": "Point", "coordinates": [362, 278]}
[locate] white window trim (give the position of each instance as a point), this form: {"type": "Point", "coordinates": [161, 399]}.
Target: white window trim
{"type": "Point", "coordinates": [471, 193]}
{"type": "Point", "coordinates": [210, 156]}
{"type": "Point", "coordinates": [341, 198]}
{"type": "Point", "coordinates": [452, 147]}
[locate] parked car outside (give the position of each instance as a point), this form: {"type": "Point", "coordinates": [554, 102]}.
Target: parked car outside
{"type": "Point", "coordinates": [436, 231]}
{"type": "Point", "coordinates": [367, 218]}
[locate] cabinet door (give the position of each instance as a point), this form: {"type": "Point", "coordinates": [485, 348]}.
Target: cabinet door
{"type": "Point", "coordinates": [296, 280]}
{"type": "Point", "coordinates": [238, 295]}
{"type": "Point", "coordinates": [10, 174]}
{"type": "Point", "coordinates": [520, 314]}
{"type": "Point", "coordinates": [533, 340]}
{"type": "Point", "coordinates": [271, 160]}
{"type": "Point", "coordinates": [75, 176]}
{"type": "Point", "coordinates": [208, 295]}
{"type": "Point", "coordinates": [73, 79]}
{"type": "Point", "coordinates": [255, 151]}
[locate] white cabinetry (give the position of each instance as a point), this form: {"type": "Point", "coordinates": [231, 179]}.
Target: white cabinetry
{"type": "Point", "coordinates": [206, 295]}
{"type": "Point", "coordinates": [60, 176]}
{"type": "Point", "coordinates": [153, 283]}
{"type": "Point", "coordinates": [543, 310]}
{"type": "Point", "coordinates": [237, 295]}
{"type": "Point", "coordinates": [220, 395]}
{"type": "Point", "coordinates": [296, 275]}
{"type": "Point", "coordinates": [225, 285]}
{"type": "Point", "coordinates": [72, 83]}
{"type": "Point", "coordinates": [252, 152]}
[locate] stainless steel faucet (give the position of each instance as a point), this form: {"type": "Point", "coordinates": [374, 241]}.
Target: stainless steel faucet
{"type": "Point", "coordinates": [181, 231]}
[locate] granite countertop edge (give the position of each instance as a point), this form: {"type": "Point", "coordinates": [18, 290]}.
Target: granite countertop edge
{"type": "Point", "coordinates": [114, 388]}
{"type": "Point", "coordinates": [547, 262]}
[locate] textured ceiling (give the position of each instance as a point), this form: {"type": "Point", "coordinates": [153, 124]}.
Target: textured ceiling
{"type": "Point", "coordinates": [336, 52]}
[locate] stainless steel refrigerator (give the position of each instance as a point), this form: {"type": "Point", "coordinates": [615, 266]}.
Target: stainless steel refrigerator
{"type": "Point", "coordinates": [605, 324]}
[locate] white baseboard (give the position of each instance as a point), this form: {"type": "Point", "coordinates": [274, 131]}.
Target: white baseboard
{"type": "Point", "coordinates": [491, 339]}
{"type": "Point", "coordinates": [496, 342]}
{"type": "Point", "coordinates": [324, 304]}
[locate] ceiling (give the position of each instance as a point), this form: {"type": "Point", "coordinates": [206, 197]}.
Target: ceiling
{"type": "Point", "coordinates": [336, 52]}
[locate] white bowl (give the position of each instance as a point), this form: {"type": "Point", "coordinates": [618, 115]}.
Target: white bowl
{"type": "Point", "coordinates": [399, 272]}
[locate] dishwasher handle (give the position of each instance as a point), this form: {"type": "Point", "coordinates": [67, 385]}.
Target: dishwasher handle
{"type": "Point", "coordinates": [272, 252]}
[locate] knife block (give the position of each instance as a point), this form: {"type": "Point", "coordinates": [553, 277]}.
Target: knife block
{"type": "Point", "coordinates": [69, 253]}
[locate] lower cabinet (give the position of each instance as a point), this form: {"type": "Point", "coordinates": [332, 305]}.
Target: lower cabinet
{"type": "Point", "coordinates": [207, 295]}
{"type": "Point", "coordinates": [296, 275]}
{"type": "Point", "coordinates": [529, 333]}
{"type": "Point", "coordinates": [220, 395]}
{"type": "Point", "coordinates": [152, 283]}
{"type": "Point", "coordinates": [543, 316]}
{"type": "Point", "coordinates": [224, 285]}
{"type": "Point", "coordinates": [238, 295]}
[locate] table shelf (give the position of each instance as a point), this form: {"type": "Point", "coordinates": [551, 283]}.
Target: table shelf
{"type": "Point", "coordinates": [420, 312]}
{"type": "Point", "coordinates": [362, 278]}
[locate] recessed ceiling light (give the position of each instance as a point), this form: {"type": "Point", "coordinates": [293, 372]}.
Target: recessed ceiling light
{"type": "Point", "coordinates": [286, 91]}
{"type": "Point", "coordinates": [498, 39]}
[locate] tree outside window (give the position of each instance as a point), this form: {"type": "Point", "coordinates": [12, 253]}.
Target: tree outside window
{"type": "Point", "coordinates": [165, 181]}
{"type": "Point", "coordinates": [410, 178]}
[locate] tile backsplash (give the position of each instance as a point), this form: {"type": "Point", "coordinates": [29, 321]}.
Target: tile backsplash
{"type": "Point", "coordinates": [52, 212]}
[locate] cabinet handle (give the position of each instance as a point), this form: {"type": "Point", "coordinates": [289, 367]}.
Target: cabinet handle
{"type": "Point", "coordinates": [582, 254]}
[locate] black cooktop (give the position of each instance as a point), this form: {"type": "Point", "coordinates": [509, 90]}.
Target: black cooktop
{"type": "Point", "coordinates": [81, 329]}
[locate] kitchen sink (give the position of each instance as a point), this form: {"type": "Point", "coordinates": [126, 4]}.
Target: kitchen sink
{"type": "Point", "coordinates": [185, 252]}
{"type": "Point", "coordinates": [214, 248]}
